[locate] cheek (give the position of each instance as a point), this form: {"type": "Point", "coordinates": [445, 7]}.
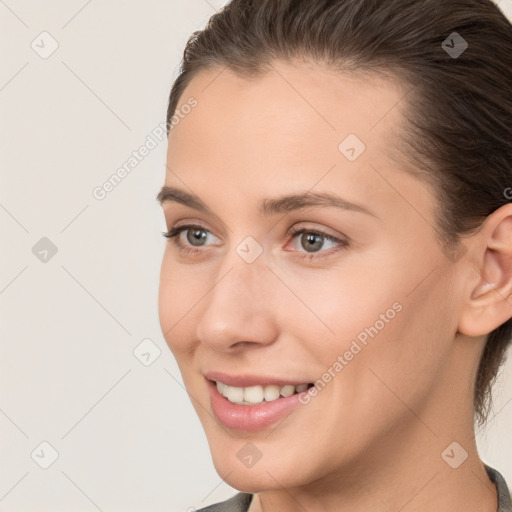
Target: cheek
{"type": "Point", "coordinates": [367, 325]}
{"type": "Point", "coordinates": [398, 361]}
{"type": "Point", "coordinates": [339, 308]}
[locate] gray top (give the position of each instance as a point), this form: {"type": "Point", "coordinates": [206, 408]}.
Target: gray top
{"type": "Point", "coordinates": [240, 502]}
{"type": "Point", "coordinates": [504, 497]}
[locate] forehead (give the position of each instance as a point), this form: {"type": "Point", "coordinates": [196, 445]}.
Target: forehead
{"type": "Point", "coordinates": [298, 111]}
{"type": "Point", "coordinates": [287, 130]}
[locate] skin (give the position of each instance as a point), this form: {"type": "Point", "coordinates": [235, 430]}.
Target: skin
{"type": "Point", "coordinates": [372, 439]}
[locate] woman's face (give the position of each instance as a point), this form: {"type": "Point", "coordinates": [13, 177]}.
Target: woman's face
{"type": "Point", "coordinates": [368, 315]}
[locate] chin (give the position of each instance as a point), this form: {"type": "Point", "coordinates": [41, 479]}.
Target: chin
{"type": "Point", "coordinates": [267, 473]}
{"type": "Point", "coordinates": [253, 480]}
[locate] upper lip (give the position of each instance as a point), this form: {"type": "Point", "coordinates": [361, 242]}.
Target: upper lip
{"type": "Point", "coordinates": [243, 381]}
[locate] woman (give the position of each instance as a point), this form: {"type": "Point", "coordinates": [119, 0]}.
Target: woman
{"type": "Point", "coordinates": [336, 284]}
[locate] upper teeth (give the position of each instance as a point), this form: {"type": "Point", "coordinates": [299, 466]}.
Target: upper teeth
{"type": "Point", "coordinates": [256, 394]}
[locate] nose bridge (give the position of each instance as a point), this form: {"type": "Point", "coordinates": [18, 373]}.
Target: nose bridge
{"type": "Point", "coordinates": [244, 271]}
{"type": "Point", "coordinates": [238, 306]}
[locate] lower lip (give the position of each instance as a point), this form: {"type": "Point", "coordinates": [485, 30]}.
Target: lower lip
{"type": "Point", "coordinates": [250, 417]}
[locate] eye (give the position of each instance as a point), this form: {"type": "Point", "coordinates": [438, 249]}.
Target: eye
{"type": "Point", "coordinates": [196, 235]}
{"type": "Point", "coordinates": [315, 241]}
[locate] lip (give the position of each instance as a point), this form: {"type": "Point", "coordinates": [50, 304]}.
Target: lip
{"type": "Point", "coordinates": [250, 418]}
{"type": "Point", "coordinates": [244, 381]}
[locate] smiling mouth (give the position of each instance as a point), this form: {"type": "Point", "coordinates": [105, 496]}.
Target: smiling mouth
{"type": "Point", "coordinates": [254, 395]}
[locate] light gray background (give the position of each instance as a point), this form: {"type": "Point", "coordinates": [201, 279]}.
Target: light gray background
{"type": "Point", "coordinates": [126, 434]}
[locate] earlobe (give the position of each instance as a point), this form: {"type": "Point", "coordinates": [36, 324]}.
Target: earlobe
{"type": "Point", "coordinates": [489, 304]}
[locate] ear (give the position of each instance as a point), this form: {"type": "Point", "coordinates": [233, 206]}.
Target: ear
{"type": "Point", "coordinates": [488, 303]}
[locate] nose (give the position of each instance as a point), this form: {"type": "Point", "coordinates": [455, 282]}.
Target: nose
{"type": "Point", "coordinates": [239, 311]}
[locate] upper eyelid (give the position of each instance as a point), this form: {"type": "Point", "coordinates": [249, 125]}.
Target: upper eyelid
{"type": "Point", "coordinates": [325, 230]}
{"type": "Point", "coordinates": [192, 225]}
{"type": "Point", "coordinates": [293, 231]}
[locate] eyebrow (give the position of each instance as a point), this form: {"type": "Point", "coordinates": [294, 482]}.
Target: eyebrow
{"type": "Point", "coordinates": [267, 207]}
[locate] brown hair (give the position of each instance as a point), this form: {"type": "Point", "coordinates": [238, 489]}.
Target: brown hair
{"type": "Point", "coordinates": [458, 121]}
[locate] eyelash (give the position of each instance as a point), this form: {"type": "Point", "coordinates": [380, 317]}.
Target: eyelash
{"type": "Point", "coordinates": [173, 236]}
